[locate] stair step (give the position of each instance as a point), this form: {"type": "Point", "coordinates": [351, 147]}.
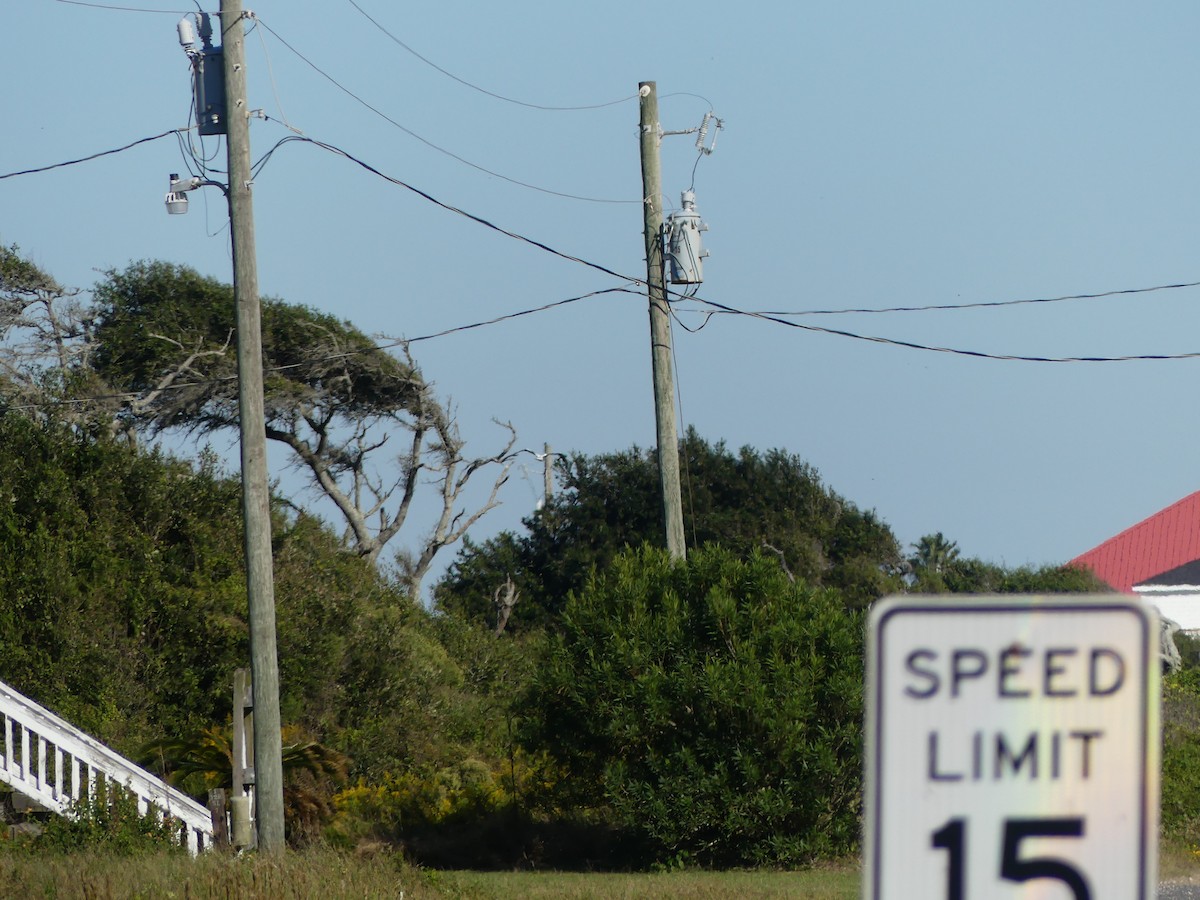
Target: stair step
{"type": "Point", "coordinates": [51, 764]}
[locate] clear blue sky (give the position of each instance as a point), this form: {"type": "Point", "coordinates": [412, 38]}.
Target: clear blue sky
{"type": "Point", "coordinates": [875, 155]}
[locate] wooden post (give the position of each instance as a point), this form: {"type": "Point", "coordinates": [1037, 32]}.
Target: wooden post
{"type": "Point", "coordinates": [256, 497]}
{"type": "Point", "coordinates": [220, 821]}
{"type": "Point", "coordinates": [660, 323]}
{"type": "Point", "coordinates": [243, 733]}
{"type": "Point", "coordinates": [243, 804]}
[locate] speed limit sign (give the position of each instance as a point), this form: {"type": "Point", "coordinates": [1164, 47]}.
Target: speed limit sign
{"type": "Point", "coordinates": [1012, 749]}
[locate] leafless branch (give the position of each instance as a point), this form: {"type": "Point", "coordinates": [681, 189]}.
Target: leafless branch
{"type": "Point", "coordinates": [503, 600]}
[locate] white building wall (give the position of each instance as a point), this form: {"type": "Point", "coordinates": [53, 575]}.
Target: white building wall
{"type": "Point", "coordinates": [1179, 602]}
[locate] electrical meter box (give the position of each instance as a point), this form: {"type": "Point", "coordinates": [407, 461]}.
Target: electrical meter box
{"type": "Point", "coordinates": [208, 71]}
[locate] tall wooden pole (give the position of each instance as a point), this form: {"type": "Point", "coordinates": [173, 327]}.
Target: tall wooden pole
{"type": "Point", "coordinates": [548, 473]}
{"type": "Point", "coordinates": [660, 324]}
{"type": "Point", "coordinates": [256, 498]}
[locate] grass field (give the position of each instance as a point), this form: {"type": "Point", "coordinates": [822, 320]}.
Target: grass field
{"type": "Point", "coordinates": [327, 875]}
{"type": "Point", "coordinates": [333, 876]}
{"type": "Point", "coordinates": [824, 884]}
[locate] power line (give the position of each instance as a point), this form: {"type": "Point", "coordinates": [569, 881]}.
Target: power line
{"type": "Point", "coordinates": [978, 305]}
{"type": "Point", "coordinates": [454, 209]}
{"type": "Point", "coordinates": [976, 354]}
{"type": "Point", "coordinates": [476, 87]}
{"type": "Point", "coordinates": [516, 315]}
{"type": "Point", "coordinates": [776, 318]}
{"type": "Point", "coordinates": [126, 396]}
{"type": "Point", "coordinates": [274, 87]}
{"type": "Point", "coordinates": [758, 315]}
{"type": "Point", "coordinates": [428, 143]}
{"type": "Point", "coordinates": [83, 159]}
{"type": "Point", "coordinates": [141, 9]}
{"type": "Point", "coordinates": [686, 94]}
{"type": "Point", "coordinates": [368, 167]}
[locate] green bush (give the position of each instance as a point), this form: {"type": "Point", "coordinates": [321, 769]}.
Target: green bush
{"type": "Point", "coordinates": [1181, 757]}
{"type": "Point", "coordinates": [110, 820]}
{"type": "Point", "coordinates": [744, 499]}
{"type": "Point", "coordinates": [710, 709]}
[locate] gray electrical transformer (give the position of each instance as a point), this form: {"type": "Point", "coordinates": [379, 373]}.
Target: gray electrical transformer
{"type": "Point", "coordinates": [208, 72]}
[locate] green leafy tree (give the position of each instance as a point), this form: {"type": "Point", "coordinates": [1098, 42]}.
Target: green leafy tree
{"type": "Point", "coordinates": [711, 709]}
{"type": "Point", "coordinates": [125, 604]}
{"type": "Point", "coordinates": [121, 571]}
{"type": "Point", "coordinates": [744, 501]}
{"type": "Point", "coordinates": [47, 341]}
{"type": "Point", "coordinates": [937, 567]}
{"type": "Point", "coordinates": [933, 553]}
{"type": "Point", "coordinates": [334, 399]}
{"type": "Point", "coordinates": [202, 760]}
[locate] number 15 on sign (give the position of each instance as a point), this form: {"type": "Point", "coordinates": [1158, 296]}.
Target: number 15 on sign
{"type": "Point", "coordinates": [1012, 749]}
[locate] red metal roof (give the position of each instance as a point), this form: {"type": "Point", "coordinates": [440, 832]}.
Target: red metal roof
{"type": "Point", "coordinates": [1167, 539]}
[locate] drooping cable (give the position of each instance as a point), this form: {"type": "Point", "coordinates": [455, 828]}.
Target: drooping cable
{"type": "Point", "coordinates": [732, 310]}
{"type": "Point", "coordinates": [714, 305]}
{"type": "Point", "coordinates": [976, 354]}
{"type": "Point", "coordinates": [525, 312]}
{"type": "Point", "coordinates": [987, 304]}
{"type": "Point", "coordinates": [454, 209]}
{"type": "Point", "coordinates": [476, 87]}
{"type": "Point", "coordinates": [139, 9]}
{"type": "Point", "coordinates": [125, 396]}
{"type": "Point", "coordinates": [89, 158]}
{"type": "Point", "coordinates": [428, 143]}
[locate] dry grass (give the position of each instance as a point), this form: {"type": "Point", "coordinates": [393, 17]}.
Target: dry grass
{"type": "Point", "coordinates": [1177, 862]}
{"type": "Point", "coordinates": [292, 876]}
{"type": "Point", "coordinates": [382, 875]}
{"type": "Point", "coordinates": [825, 884]}
{"type": "Point", "coordinates": [379, 876]}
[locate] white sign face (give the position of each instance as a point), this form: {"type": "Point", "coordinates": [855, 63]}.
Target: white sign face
{"type": "Point", "coordinates": [1012, 749]}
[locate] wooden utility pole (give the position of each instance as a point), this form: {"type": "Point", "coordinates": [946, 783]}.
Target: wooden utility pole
{"type": "Point", "coordinates": [548, 474]}
{"type": "Point", "coordinates": [256, 497]}
{"type": "Point", "coordinates": [660, 323]}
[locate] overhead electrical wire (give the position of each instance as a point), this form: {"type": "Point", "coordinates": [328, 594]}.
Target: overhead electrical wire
{"type": "Point", "coordinates": [476, 87]}
{"type": "Point", "coordinates": [399, 342]}
{"type": "Point", "coordinates": [715, 306]}
{"type": "Point", "coordinates": [734, 311]}
{"type": "Point", "coordinates": [141, 9]}
{"type": "Point", "coordinates": [388, 345]}
{"type": "Point", "coordinates": [337, 151]}
{"type": "Point", "coordinates": [428, 143]}
{"type": "Point", "coordinates": [83, 159]}
{"type": "Point", "coordinates": [976, 354]}
{"type": "Point", "coordinates": [516, 315]}
{"type": "Point", "coordinates": [979, 305]}
{"type": "Point", "coordinates": [274, 87]}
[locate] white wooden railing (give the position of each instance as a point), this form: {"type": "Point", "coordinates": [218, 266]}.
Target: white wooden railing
{"type": "Point", "coordinates": [55, 764]}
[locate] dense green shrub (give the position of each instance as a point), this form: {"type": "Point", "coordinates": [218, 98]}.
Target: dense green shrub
{"type": "Point", "coordinates": [109, 820]}
{"type": "Point", "coordinates": [121, 572]}
{"type": "Point", "coordinates": [711, 709]}
{"type": "Point", "coordinates": [125, 608]}
{"type": "Point", "coordinates": [744, 500]}
{"type": "Point", "coordinates": [1181, 757]}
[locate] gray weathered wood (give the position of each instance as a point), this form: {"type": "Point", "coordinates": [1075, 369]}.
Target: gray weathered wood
{"type": "Point", "coordinates": [660, 323]}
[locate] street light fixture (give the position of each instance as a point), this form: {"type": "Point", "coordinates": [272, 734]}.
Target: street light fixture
{"type": "Point", "coordinates": [177, 201]}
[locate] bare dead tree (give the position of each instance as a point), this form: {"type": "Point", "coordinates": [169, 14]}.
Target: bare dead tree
{"type": "Point", "coordinates": [782, 560]}
{"type": "Point", "coordinates": [375, 506]}
{"type": "Point", "coordinates": [503, 600]}
{"type": "Point", "coordinates": [360, 422]}
{"type": "Point", "coordinates": [45, 344]}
